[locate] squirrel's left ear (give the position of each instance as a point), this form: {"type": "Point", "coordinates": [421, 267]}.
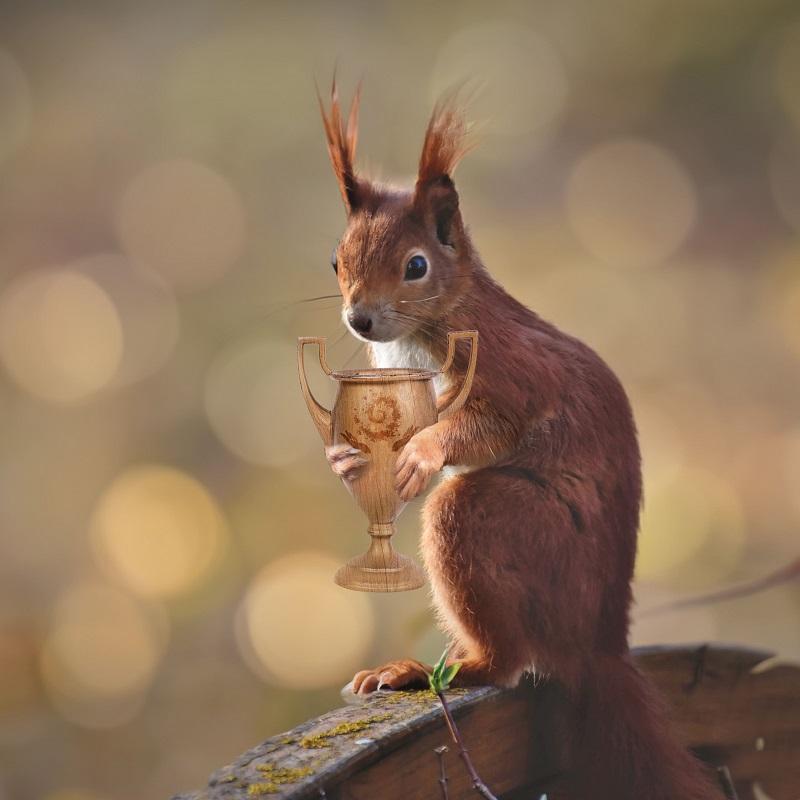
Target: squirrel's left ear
{"type": "Point", "coordinates": [445, 145]}
{"type": "Point", "coordinates": [342, 137]}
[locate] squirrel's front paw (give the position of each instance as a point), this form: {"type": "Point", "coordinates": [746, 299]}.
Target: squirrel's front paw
{"type": "Point", "coordinates": [420, 460]}
{"type": "Point", "coordinates": [345, 460]}
{"type": "Point", "coordinates": [405, 674]}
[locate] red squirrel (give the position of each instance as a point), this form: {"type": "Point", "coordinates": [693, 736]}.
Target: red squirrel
{"type": "Point", "coordinates": [530, 547]}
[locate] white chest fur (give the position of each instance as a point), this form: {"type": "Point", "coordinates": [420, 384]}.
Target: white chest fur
{"type": "Point", "coordinates": [406, 353]}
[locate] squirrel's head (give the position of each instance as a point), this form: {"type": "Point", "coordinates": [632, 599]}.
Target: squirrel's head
{"type": "Point", "coordinates": [405, 254]}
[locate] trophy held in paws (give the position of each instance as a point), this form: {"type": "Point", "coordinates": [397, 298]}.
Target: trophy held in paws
{"type": "Point", "coordinates": [376, 412]}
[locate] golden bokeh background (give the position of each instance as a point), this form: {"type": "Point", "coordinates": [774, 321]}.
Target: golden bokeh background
{"type": "Point", "coordinates": [168, 524]}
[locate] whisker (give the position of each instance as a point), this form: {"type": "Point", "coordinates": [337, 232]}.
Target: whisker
{"type": "Point", "coordinates": [345, 332]}
{"type": "Point", "coordinates": [411, 323]}
{"type": "Point", "coordinates": [423, 300]}
{"type": "Point", "coordinates": [283, 306]}
{"type": "Point", "coordinates": [279, 307]}
{"type": "Point", "coordinates": [404, 314]}
{"type": "Point", "coordinates": [321, 297]}
{"type": "Point", "coordinates": [400, 315]}
{"type": "Point", "coordinates": [241, 327]}
{"type": "Point", "coordinates": [355, 353]}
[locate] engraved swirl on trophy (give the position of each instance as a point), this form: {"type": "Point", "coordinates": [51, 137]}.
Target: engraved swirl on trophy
{"type": "Point", "coordinates": [378, 418]}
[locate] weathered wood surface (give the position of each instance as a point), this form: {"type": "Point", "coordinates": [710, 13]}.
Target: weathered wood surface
{"type": "Point", "coordinates": [733, 706]}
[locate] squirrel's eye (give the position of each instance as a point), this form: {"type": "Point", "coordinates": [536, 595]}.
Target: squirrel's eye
{"type": "Point", "coordinates": [416, 268]}
{"type": "Point", "coordinates": [333, 261]}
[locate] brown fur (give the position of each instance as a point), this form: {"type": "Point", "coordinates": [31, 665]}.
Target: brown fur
{"type": "Point", "coordinates": [530, 554]}
{"type": "Point", "coordinates": [445, 141]}
{"type": "Point", "coordinates": [342, 139]}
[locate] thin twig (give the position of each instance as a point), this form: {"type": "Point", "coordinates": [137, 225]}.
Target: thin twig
{"type": "Point", "coordinates": [480, 787]}
{"type": "Point", "coordinates": [726, 781]}
{"type": "Point", "coordinates": [788, 573]}
{"type": "Point", "coordinates": [440, 751]}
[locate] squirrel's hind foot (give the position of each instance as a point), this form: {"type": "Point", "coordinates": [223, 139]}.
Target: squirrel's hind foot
{"type": "Point", "coordinates": [401, 674]}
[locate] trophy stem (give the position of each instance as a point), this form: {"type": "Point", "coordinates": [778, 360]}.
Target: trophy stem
{"type": "Point", "coordinates": [381, 568]}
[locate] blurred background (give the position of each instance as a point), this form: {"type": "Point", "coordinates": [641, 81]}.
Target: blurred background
{"type": "Point", "coordinates": [168, 524]}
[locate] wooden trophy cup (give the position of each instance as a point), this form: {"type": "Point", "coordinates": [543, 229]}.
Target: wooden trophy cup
{"type": "Point", "coordinates": [378, 411]}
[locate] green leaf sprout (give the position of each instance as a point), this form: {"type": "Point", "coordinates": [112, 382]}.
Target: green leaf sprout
{"type": "Point", "coordinates": [442, 675]}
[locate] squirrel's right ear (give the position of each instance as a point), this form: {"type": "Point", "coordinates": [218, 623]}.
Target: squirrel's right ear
{"type": "Point", "coordinates": [342, 137]}
{"type": "Point", "coordinates": [444, 146]}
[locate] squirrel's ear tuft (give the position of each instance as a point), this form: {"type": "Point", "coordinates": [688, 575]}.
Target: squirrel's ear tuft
{"type": "Point", "coordinates": [446, 143]}
{"type": "Point", "coordinates": [342, 137]}
{"type": "Point", "coordinates": [446, 140]}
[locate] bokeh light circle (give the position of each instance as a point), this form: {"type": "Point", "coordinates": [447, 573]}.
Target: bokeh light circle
{"type": "Point", "coordinates": [73, 794]}
{"type": "Point", "coordinates": [524, 83]}
{"type": "Point", "coordinates": [784, 178]}
{"type": "Point", "coordinates": [250, 407]}
{"type": "Point", "coordinates": [183, 220]}
{"type": "Point", "coordinates": [61, 337]}
{"type": "Point", "coordinates": [630, 202]}
{"type": "Point", "coordinates": [158, 529]}
{"type": "Point", "coordinates": [207, 90]}
{"type": "Point", "coordinates": [786, 70]}
{"type": "Point", "coordinates": [19, 689]}
{"type": "Point", "coordinates": [662, 443]}
{"type": "Point", "coordinates": [100, 654]}
{"type": "Point", "coordinates": [788, 316]}
{"type": "Point", "coordinates": [147, 310]}
{"type": "Point", "coordinates": [792, 469]}
{"type": "Point", "coordinates": [15, 102]}
{"type": "Point", "coordinates": [779, 294]}
{"type": "Point", "coordinates": [297, 629]}
{"type": "Point", "coordinates": [692, 524]}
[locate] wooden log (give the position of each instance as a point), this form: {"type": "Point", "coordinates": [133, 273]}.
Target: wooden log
{"type": "Point", "coordinates": [732, 706]}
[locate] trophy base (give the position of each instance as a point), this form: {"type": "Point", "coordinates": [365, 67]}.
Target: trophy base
{"type": "Point", "coordinates": [364, 573]}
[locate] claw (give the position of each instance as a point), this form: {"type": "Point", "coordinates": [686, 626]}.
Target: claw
{"type": "Point", "coordinates": [383, 680]}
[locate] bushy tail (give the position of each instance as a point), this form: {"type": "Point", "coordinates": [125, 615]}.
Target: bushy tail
{"type": "Point", "coordinates": [627, 748]}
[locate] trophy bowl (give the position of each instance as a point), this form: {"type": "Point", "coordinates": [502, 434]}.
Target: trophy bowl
{"type": "Point", "coordinates": [377, 411]}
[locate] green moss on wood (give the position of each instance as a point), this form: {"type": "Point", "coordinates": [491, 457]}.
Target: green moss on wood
{"type": "Point", "coordinates": [398, 697]}
{"type": "Point", "coordinates": [322, 738]}
{"type": "Point", "coordinates": [276, 774]}
{"type": "Point", "coordinates": [257, 789]}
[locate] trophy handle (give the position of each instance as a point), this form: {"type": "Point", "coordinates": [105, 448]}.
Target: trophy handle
{"type": "Point", "coordinates": [459, 400]}
{"type": "Point", "coordinates": [319, 414]}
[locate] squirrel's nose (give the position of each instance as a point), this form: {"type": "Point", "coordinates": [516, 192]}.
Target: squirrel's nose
{"type": "Point", "coordinates": [360, 322]}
